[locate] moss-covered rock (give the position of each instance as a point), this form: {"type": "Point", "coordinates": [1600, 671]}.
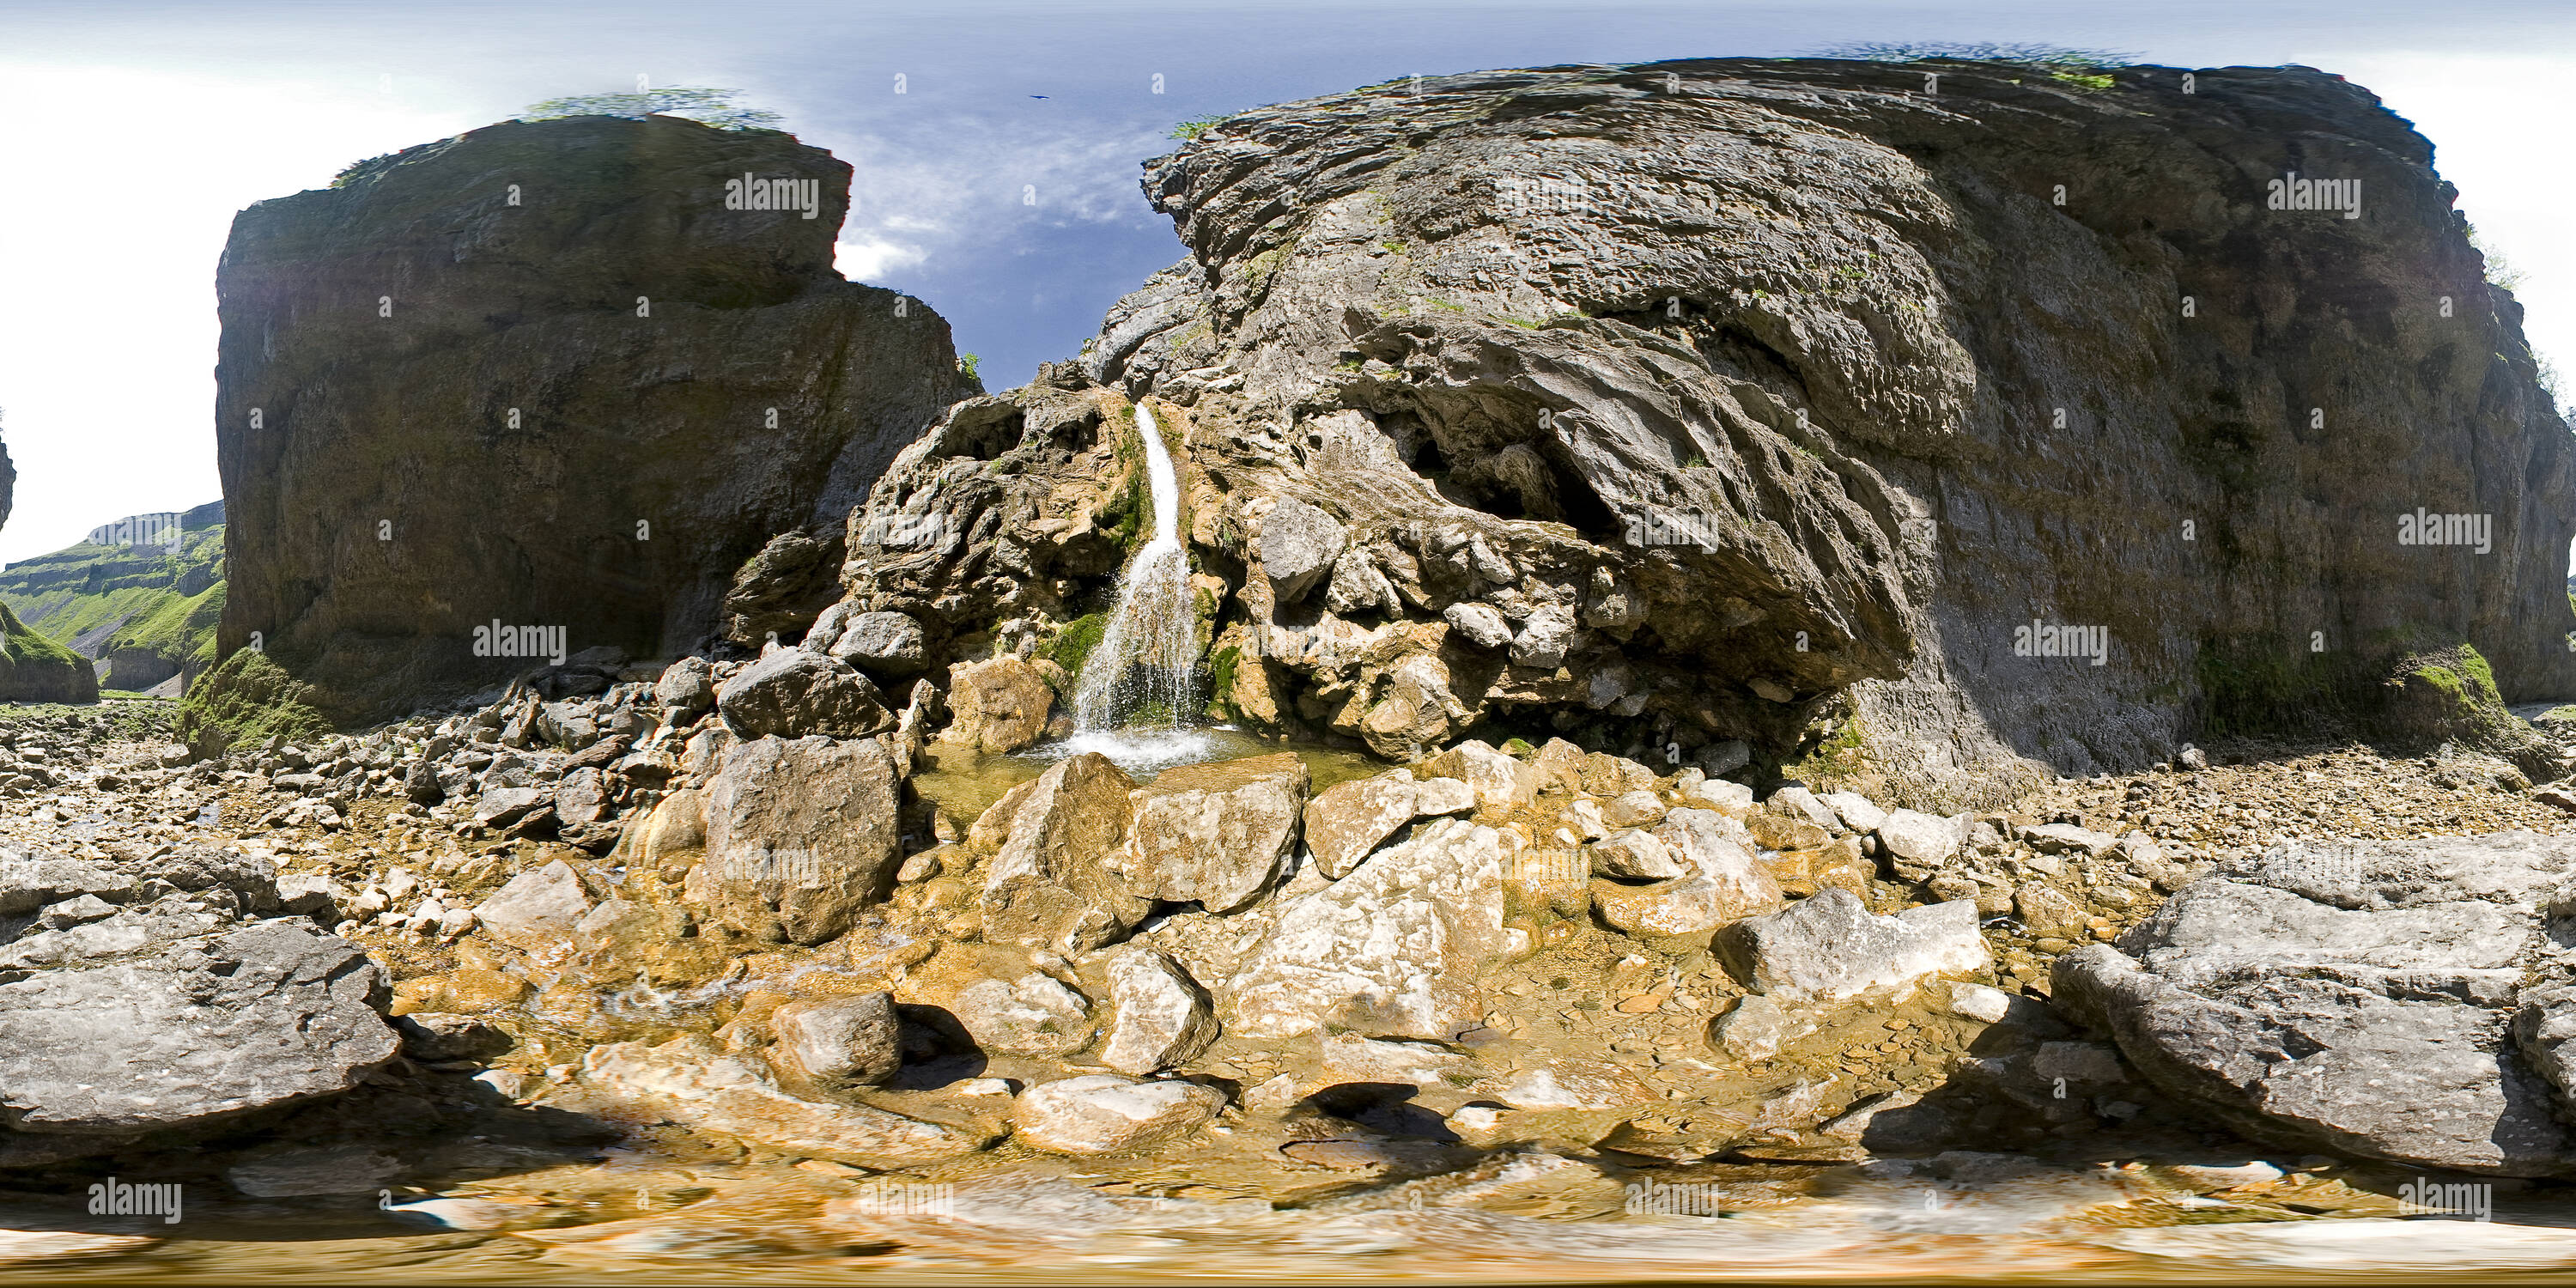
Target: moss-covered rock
{"type": "Point", "coordinates": [34, 668]}
{"type": "Point", "coordinates": [247, 698]}
{"type": "Point", "coordinates": [2449, 695]}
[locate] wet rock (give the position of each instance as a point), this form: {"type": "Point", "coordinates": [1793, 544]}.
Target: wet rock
{"type": "Point", "coordinates": [1215, 834]}
{"type": "Point", "coordinates": [437, 1035]}
{"type": "Point", "coordinates": [1033, 1015]}
{"type": "Point", "coordinates": [537, 911]}
{"type": "Point", "coordinates": [1298, 545]}
{"type": "Point", "coordinates": [308, 1172]}
{"type": "Point", "coordinates": [1753, 1030]}
{"type": "Point", "coordinates": [1830, 947]}
{"type": "Point", "coordinates": [801, 837]}
{"type": "Point", "coordinates": [995, 706]}
{"type": "Point", "coordinates": [1104, 1113]}
{"type": "Point", "coordinates": [670, 838]}
{"type": "Point", "coordinates": [688, 1080]}
{"type": "Point", "coordinates": [886, 643]}
{"type": "Point", "coordinates": [1391, 950]}
{"type": "Point", "coordinates": [1051, 886]}
{"type": "Point", "coordinates": [1575, 1084]}
{"type": "Point", "coordinates": [835, 1043]}
{"type": "Point", "coordinates": [163, 1030]}
{"type": "Point", "coordinates": [2353, 998]}
{"type": "Point", "coordinates": [795, 693]}
{"type": "Point", "coordinates": [1349, 1058]}
{"type": "Point", "coordinates": [1159, 1016]}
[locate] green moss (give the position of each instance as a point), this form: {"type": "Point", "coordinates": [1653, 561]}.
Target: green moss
{"type": "Point", "coordinates": [1836, 758]}
{"type": "Point", "coordinates": [1519, 748]}
{"type": "Point", "coordinates": [246, 699]}
{"type": "Point", "coordinates": [1221, 668]}
{"type": "Point", "coordinates": [1073, 644]}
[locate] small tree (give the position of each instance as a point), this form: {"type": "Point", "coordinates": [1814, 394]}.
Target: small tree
{"type": "Point", "coordinates": [692, 102]}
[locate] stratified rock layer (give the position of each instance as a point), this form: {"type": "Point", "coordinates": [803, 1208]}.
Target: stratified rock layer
{"type": "Point", "coordinates": [1672, 405]}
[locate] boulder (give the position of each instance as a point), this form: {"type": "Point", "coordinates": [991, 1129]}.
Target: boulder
{"type": "Point", "coordinates": [1158, 1015]}
{"type": "Point", "coordinates": [1217, 834]}
{"type": "Point", "coordinates": [1032, 1015]}
{"type": "Point", "coordinates": [1051, 885]}
{"type": "Point", "coordinates": [537, 911]}
{"type": "Point", "coordinates": [795, 693]}
{"type": "Point", "coordinates": [1105, 1113]}
{"type": "Point", "coordinates": [801, 836]}
{"type": "Point", "coordinates": [688, 1080]}
{"type": "Point", "coordinates": [835, 1043]}
{"type": "Point", "coordinates": [1632, 855]}
{"type": "Point", "coordinates": [1391, 950]}
{"type": "Point", "coordinates": [1347, 820]}
{"type": "Point", "coordinates": [2355, 998]}
{"type": "Point", "coordinates": [686, 689]}
{"type": "Point", "coordinates": [886, 643]}
{"type": "Point", "coordinates": [1918, 845]}
{"type": "Point", "coordinates": [145, 1021]}
{"type": "Point", "coordinates": [2048, 914]}
{"type": "Point", "coordinates": [1495, 777]}
{"type": "Point", "coordinates": [996, 706]}
{"type": "Point", "coordinates": [1299, 543]}
{"type": "Point", "coordinates": [1855, 811]}
{"type": "Point", "coordinates": [1829, 947]}
{"type": "Point", "coordinates": [1544, 638]}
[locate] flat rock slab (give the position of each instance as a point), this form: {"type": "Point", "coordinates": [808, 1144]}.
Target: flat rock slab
{"type": "Point", "coordinates": [1829, 947]}
{"type": "Point", "coordinates": [191, 1029]}
{"type": "Point", "coordinates": [689, 1080]}
{"type": "Point", "coordinates": [2352, 997]}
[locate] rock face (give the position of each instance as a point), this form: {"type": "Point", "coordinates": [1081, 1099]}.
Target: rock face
{"type": "Point", "coordinates": [1529, 356]}
{"type": "Point", "coordinates": [539, 374]}
{"type": "Point", "coordinates": [2356, 997]}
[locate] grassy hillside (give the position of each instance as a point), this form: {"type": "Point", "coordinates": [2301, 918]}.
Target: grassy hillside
{"type": "Point", "coordinates": [145, 612]}
{"type": "Point", "coordinates": [34, 668]}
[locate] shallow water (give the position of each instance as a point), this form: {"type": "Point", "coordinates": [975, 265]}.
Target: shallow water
{"type": "Point", "coordinates": [632, 1215]}
{"type": "Point", "coordinates": [964, 786]}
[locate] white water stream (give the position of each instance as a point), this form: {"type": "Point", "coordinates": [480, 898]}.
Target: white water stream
{"type": "Point", "coordinates": [1139, 680]}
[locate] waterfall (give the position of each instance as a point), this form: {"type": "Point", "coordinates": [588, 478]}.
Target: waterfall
{"type": "Point", "coordinates": [1143, 670]}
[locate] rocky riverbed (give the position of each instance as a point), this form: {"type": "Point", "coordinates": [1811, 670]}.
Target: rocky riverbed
{"type": "Point", "coordinates": [584, 977]}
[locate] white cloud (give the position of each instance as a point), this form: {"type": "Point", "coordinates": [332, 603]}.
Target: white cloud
{"type": "Point", "coordinates": [868, 259]}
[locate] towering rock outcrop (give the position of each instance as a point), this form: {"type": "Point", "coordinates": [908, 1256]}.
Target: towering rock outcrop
{"type": "Point", "coordinates": [1951, 433]}
{"type": "Point", "coordinates": [33, 667]}
{"type": "Point", "coordinates": [569, 374]}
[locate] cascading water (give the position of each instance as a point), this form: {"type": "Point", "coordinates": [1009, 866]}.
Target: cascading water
{"type": "Point", "coordinates": [1142, 674]}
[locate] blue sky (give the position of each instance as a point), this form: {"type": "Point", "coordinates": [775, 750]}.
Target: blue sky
{"type": "Point", "coordinates": [138, 129]}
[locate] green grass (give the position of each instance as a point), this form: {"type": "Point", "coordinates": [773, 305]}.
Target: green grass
{"type": "Point", "coordinates": [24, 645]}
{"type": "Point", "coordinates": [247, 699]}
{"type": "Point", "coordinates": [1195, 127]}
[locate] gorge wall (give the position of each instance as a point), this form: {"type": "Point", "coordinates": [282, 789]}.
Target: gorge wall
{"type": "Point", "coordinates": [542, 375]}
{"type": "Point", "coordinates": [1793, 402]}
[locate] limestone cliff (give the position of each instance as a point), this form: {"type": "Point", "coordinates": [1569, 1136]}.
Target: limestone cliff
{"type": "Point", "coordinates": [544, 374]}
{"type": "Point", "coordinates": [33, 666]}
{"type": "Point", "coordinates": [1672, 404]}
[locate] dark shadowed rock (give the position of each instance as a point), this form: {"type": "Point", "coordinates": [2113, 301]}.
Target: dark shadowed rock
{"type": "Point", "coordinates": [583, 393]}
